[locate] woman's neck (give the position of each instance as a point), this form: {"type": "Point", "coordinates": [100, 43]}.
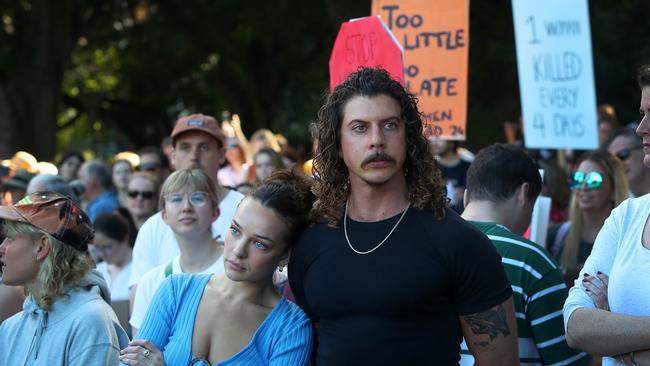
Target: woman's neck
{"type": "Point", "coordinates": [262, 293]}
{"type": "Point", "coordinates": [592, 222]}
{"type": "Point", "coordinates": [198, 252]}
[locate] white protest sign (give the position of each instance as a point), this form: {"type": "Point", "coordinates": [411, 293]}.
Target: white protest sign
{"type": "Point", "coordinates": [540, 218]}
{"type": "Point", "coordinates": [556, 78]}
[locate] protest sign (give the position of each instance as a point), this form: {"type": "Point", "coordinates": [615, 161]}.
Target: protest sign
{"type": "Point", "coordinates": [365, 42]}
{"type": "Point", "coordinates": [435, 38]}
{"type": "Point", "coordinates": [556, 79]}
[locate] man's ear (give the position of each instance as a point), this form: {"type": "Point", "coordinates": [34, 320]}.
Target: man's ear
{"type": "Point", "coordinates": [43, 248]}
{"type": "Point", "coordinates": [465, 200]}
{"type": "Point", "coordinates": [172, 158]}
{"type": "Point", "coordinates": [215, 213]}
{"type": "Point", "coordinates": [522, 193]}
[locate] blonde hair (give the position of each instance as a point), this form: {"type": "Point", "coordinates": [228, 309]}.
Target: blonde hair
{"type": "Point", "coordinates": [62, 267]}
{"type": "Point", "coordinates": [194, 179]}
{"type": "Point", "coordinates": [268, 136]}
{"type": "Point", "coordinates": [615, 171]}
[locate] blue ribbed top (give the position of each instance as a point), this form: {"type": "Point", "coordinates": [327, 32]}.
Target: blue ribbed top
{"type": "Point", "coordinates": [285, 337]}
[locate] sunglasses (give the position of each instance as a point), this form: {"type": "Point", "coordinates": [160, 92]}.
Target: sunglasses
{"type": "Point", "coordinates": [626, 152]}
{"type": "Point", "coordinates": [147, 167]}
{"type": "Point", "coordinates": [146, 195]}
{"type": "Point", "coordinates": [593, 180]}
{"type": "Point", "coordinates": [196, 199]}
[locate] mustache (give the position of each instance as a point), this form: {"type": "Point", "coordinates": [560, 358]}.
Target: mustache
{"type": "Point", "coordinates": [379, 156]}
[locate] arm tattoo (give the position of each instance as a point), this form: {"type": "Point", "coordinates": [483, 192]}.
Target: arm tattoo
{"type": "Point", "coordinates": [491, 322]}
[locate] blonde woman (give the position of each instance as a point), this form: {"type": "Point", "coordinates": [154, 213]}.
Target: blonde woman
{"type": "Point", "coordinates": [66, 319]}
{"type": "Point", "coordinates": [189, 206]}
{"type": "Point", "coordinates": [599, 185]}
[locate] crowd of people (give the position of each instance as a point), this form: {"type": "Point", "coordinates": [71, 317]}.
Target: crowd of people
{"type": "Point", "coordinates": [387, 248]}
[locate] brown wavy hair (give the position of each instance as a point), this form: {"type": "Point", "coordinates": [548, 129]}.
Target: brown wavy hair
{"type": "Point", "coordinates": [425, 184]}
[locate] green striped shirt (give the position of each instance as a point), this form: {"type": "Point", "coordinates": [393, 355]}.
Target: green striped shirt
{"type": "Point", "coordinates": [539, 293]}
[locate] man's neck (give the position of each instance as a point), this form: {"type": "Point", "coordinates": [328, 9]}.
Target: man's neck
{"type": "Point", "coordinates": [486, 211]}
{"type": "Point", "coordinates": [198, 252]}
{"type": "Point", "coordinates": [375, 203]}
{"type": "Point", "coordinates": [449, 159]}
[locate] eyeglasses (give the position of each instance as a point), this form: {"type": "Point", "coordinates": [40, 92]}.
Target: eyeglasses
{"type": "Point", "coordinates": [196, 199]}
{"type": "Point", "coordinates": [626, 152]}
{"type": "Point", "coordinates": [146, 195]}
{"type": "Point", "coordinates": [593, 180]}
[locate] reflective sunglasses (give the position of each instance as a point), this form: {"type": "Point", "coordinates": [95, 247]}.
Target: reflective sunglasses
{"type": "Point", "coordinates": [593, 180]}
{"type": "Point", "coordinates": [626, 152]}
{"type": "Point", "coordinates": [146, 195]}
{"type": "Point", "coordinates": [196, 199]}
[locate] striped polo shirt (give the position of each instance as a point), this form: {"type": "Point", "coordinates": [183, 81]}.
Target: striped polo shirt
{"type": "Point", "coordinates": [539, 293]}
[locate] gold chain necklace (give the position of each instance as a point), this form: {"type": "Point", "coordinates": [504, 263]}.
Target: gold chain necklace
{"type": "Point", "coordinates": [345, 230]}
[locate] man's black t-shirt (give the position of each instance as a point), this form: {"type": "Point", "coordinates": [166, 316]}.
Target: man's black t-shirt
{"type": "Point", "coordinates": [400, 304]}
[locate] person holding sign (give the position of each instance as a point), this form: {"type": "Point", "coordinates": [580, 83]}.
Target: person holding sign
{"type": "Point", "coordinates": [619, 330]}
{"type": "Point", "coordinates": [391, 275]}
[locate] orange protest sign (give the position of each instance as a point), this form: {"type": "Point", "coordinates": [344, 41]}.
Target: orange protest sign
{"type": "Point", "coordinates": [365, 42]}
{"type": "Point", "coordinates": [435, 38]}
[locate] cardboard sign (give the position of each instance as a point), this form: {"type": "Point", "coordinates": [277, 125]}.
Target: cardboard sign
{"type": "Point", "coordinates": [556, 78]}
{"type": "Point", "coordinates": [365, 42]}
{"type": "Point", "coordinates": [435, 38]}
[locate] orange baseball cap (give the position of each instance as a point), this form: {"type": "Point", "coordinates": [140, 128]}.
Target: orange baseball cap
{"type": "Point", "coordinates": [198, 122]}
{"type": "Point", "coordinates": [55, 214]}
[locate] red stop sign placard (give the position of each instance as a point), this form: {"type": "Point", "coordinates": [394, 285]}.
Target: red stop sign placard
{"type": "Point", "coordinates": [365, 42]}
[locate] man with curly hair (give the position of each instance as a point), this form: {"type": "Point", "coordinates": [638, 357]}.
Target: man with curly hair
{"type": "Point", "coordinates": [391, 275]}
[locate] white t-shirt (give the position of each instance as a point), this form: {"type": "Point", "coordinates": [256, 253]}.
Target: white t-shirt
{"type": "Point", "coordinates": [150, 282]}
{"type": "Point", "coordinates": [156, 243]}
{"type": "Point", "coordinates": [120, 287]}
{"type": "Point", "coordinates": [619, 253]}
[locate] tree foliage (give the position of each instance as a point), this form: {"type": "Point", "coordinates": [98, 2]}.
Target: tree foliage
{"type": "Point", "coordinates": [111, 75]}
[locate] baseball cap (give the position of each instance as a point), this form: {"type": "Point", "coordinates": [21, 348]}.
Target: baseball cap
{"type": "Point", "coordinates": [55, 214]}
{"type": "Point", "coordinates": [198, 122]}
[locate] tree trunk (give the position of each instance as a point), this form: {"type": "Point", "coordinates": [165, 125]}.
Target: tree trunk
{"type": "Point", "coordinates": [30, 98]}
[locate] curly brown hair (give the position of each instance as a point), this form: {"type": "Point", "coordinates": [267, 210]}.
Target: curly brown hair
{"type": "Point", "coordinates": [425, 184]}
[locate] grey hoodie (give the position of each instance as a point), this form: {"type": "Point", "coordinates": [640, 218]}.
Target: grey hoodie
{"type": "Point", "coordinates": [80, 329]}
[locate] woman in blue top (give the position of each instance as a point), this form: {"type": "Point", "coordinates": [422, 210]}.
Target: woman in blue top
{"type": "Point", "coordinates": [237, 318]}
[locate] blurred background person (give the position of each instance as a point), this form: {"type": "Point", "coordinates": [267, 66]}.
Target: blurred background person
{"type": "Point", "coordinates": [153, 160]}
{"type": "Point", "coordinates": [267, 161]}
{"type": "Point", "coordinates": [113, 242]}
{"type": "Point", "coordinates": [599, 185]}
{"type": "Point", "coordinates": [49, 182]}
{"type": "Point", "coordinates": [607, 124]}
{"type": "Point", "coordinates": [142, 193]}
{"type": "Point", "coordinates": [237, 168]}
{"type": "Point", "coordinates": [14, 189]}
{"type": "Point", "coordinates": [263, 138]}
{"type": "Point", "coordinates": [121, 171]}
{"type": "Point", "coordinates": [554, 186]}
{"type": "Point", "coordinates": [454, 169]}
{"type": "Point", "coordinates": [98, 196]}
{"type": "Point", "coordinates": [69, 165]}
{"type": "Point", "coordinates": [628, 147]}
